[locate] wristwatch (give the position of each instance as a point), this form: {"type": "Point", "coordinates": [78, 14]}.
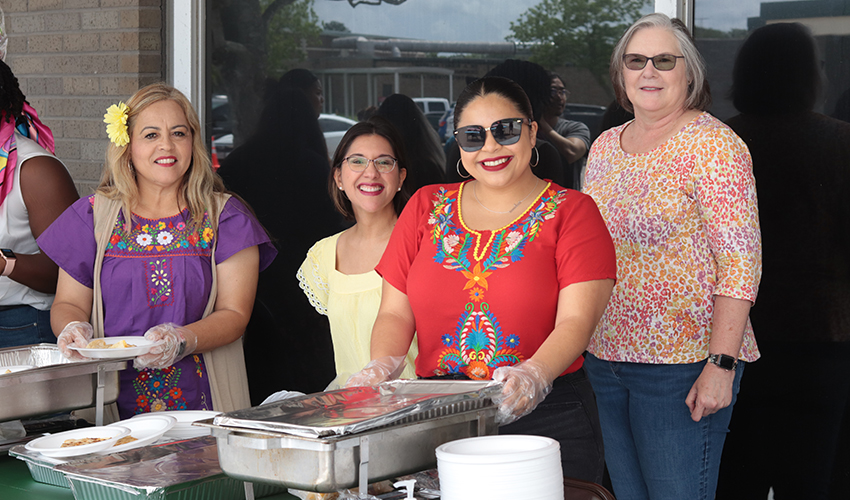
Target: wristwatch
{"type": "Point", "coordinates": [723, 361]}
{"type": "Point", "coordinates": [9, 257]}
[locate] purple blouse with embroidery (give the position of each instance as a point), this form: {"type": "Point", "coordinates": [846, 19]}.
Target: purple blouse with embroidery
{"type": "Point", "coordinates": [158, 273]}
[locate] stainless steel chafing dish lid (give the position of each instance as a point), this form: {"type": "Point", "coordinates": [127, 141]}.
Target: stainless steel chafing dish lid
{"type": "Point", "coordinates": [356, 409]}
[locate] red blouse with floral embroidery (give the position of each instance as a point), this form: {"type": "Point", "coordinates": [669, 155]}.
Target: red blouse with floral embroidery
{"type": "Point", "coordinates": [485, 299]}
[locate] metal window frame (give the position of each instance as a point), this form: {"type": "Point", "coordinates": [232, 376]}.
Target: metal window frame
{"type": "Point", "coordinates": [185, 37]}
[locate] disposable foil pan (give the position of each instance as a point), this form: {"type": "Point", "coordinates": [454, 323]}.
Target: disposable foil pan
{"type": "Point", "coordinates": [395, 441]}
{"type": "Point", "coordinates": [41, 468]}
{"type": "Point", "coordinates": [182, 470]}
{"type": "Point", "coordinates": [56, 384]}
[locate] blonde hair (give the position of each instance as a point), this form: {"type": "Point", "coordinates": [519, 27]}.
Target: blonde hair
{"type": "Point", "coordinates": [199, 185]}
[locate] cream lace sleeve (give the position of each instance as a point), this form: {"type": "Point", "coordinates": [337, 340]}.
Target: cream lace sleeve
{"type": "Point", "coordinates": [313, 279]}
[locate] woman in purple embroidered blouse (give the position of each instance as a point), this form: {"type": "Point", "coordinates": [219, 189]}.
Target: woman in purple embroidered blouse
{"type": "Point", "coordinates": [157, 277]}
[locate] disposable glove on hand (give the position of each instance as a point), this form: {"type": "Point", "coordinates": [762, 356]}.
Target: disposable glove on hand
{"type": "Point", "coordinates": [377, 371]}
{"type": "Point", "coordinates": [179, 342]}
{"type": "Point", "coordinates": [75, 334]}
{"type": "Point", "coordinates": [525, 385]}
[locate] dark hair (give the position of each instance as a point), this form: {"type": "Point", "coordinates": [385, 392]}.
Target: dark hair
{"type": "Point", "coordinates": [376, 125]}
{"type": "Point", "coordinates": [289, 120]}
{"type": "Point", "coordinates": [553, 75]}
{"type": "Point", "coordinates": [11, 98]}
{"type": "Point", "coordinates": [699, 93]}
{"type": "Point", "coordinates": [298, 78]}
{"type": "Point", "coordinates": [426, 159]}
{"type": "Point", "coordinates": [502, 87]}
{"type": "Point", "coordinates": [532, 78]}
{"type": "Point", "coordinates": [777, 71]}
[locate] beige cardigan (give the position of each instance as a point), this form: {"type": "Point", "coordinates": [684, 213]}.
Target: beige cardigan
{"type": "Point", "coordinates": [225, 364]}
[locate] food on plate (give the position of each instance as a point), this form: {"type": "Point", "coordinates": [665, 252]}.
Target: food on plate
{"type": "Point", "coordinates": [7, 371]}
{"type": "Point", "coordinates": [101, 344]}
{"type": "Point", "coordinates": [121, 345]}
{"type": "Point", "coordinates": [125, 440]}
{"type": "Point", "coordinates": [80, 442]}
{"type": "Point", "coordinates": [97, 344]}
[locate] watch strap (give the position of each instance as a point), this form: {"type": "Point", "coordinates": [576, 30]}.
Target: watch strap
{"type": "Point", "coordinates": [10, 262]}
{"type": "Point", "coordinates": [723, 361]}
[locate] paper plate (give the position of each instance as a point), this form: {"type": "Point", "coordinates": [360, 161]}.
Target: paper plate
{"type": "Point", "coordinates": [8, 370]}
{"type": "Point", "coordinates": [143, 346]}
{"type": "Point", "coordinates": [145, 430]}
{"type": "Point", "coordinates": [184, 429]}
{"type": "Point", "coordinates": [51, 445]}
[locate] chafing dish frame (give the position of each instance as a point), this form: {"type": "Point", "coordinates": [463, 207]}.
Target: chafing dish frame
{"type": "Point", "coordinates": [339, 462]}
{"type": "Point", "coordinates": [68, 385]}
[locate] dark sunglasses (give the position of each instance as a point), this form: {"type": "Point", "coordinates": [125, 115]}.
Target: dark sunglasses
{"type": "Point", "coordinates": [662, 62]}
{"type": "Point", "coordinates": [471, 138]}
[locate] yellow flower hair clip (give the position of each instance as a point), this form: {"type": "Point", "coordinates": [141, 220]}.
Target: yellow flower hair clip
{"type": "Point", "coordinates": [116, 124]}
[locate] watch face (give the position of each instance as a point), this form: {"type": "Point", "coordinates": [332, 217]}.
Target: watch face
{"type": "Point", "coordinates": [725, 361]}
{"type": "Point", "coordinates": [7, 254]}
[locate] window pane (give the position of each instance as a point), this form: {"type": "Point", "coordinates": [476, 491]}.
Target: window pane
{"type": "Point", "coordinates": [722, 25]}
{"type": "Point", "coordinates": [423, 49]}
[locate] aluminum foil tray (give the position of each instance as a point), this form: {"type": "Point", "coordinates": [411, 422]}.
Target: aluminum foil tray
{"type": "Point", "coordinates": [359, 409]}
{"type": "Point", "coordinates": [43, 470]}
{"type": "Point", "coordinates": [56, 384]}
{"type": "Point", "coordinates": [182, 470]}
{"type": "Point", "coordinates": [41, 467]}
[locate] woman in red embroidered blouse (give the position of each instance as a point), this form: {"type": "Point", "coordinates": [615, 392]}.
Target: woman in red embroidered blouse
{"type": "Point", "coordinates": [502, 277]}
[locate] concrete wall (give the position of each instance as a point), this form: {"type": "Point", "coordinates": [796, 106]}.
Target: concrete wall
{"type": "Point", "coordinates": [74, 58]}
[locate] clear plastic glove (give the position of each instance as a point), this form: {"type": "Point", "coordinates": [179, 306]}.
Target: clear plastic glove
{"type": "Point", "coordinates": [377, 371]}
{"type": "Point", "coordinates": [179, 342]}
{"type": "Point", "coordinates": [75, 334]}
{"type": "Point", "coordinates": [525, 385]}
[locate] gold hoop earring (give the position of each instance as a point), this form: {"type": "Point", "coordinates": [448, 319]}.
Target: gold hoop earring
{"type": "Point", "coordinates": [534, 149]}
{"type": "Point", "coordinates": [467, 176]}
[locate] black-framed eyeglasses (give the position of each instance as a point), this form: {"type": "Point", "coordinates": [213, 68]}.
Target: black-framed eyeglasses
{"type": "Point", "coordinates": [471, 138]}
{"type": "Point", "coordinates": [556, 91]}
{"type": "Point", "coordinates": [662, 62]}
{"type": "Point", "coordinates": [383, 164]}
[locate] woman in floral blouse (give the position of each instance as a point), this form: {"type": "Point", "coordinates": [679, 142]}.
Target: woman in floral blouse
{"type": "Point", "coordinates": [502, 277]}
{"type": "Point", "coordinates": [675, 187]}
{"type": "Point", "coordinates": [156, 275]}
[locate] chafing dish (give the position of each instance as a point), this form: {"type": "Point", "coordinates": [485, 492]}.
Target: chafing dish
{"type": "Point", "coordinates": [55, 384]}
{"type": "Point", "coordinates": [329, 441]}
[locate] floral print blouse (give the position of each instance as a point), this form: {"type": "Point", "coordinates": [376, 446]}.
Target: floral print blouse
{"type": "Point", "coordinates": [684, 220]}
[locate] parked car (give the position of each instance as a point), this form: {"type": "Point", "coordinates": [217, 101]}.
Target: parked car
{"type": "Point", "coordinates": [220, 120]}
{"type": "Point", "coordinates": [447, 124]}
{"type": "Point", "coordinates": [432, 104]}
{"type": "Point", "coordinates": [333, 128]}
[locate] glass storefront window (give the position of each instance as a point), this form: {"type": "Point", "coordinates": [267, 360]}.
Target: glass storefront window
{"type": "Point", "coordinates": [424, 49]}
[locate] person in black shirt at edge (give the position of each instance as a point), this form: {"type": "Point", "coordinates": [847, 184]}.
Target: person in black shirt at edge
{"type": "Point", "coordinates": [785, 427]}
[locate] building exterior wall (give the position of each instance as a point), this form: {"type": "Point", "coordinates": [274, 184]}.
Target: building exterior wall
{"type": "Point", "coordinates": [74, 58]}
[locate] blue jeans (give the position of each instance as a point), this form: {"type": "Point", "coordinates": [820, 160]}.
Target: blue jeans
{"type": "Point", "coordinates": [652, 447]}
{"type": "Point", "coordinates": [569, 416]}
{"type": "Point", "coordinates": [25, 325]}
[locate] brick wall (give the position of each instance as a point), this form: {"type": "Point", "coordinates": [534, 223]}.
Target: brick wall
{"type": "Point", "coordinates": [73, 58]}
